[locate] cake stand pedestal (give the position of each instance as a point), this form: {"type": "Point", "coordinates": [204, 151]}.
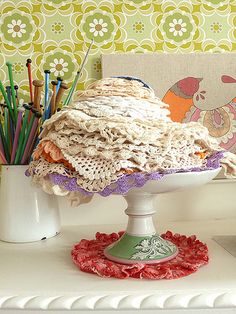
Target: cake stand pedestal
{"type": "Point", "coordinates": [141, 243]}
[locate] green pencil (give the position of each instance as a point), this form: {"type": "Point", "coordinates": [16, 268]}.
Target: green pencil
{"type": "Point", "coordinates": [6, 127]}
{"type": "Point", "coordinates": [7, 102]}
{"type": "Point", "coordinates": [9, 66]}
{"type": "Point", "coordinates": [73, 87]}
{"type": "Point", "coordinates": [22, 149]}
{"type": "Point", "coordinates": [7, 154]}
{"type": "Point", "coordinates": [22, 133]}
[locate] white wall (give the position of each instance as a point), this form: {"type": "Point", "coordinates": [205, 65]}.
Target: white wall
{"type": "Point", "coordinates": [215, 200]}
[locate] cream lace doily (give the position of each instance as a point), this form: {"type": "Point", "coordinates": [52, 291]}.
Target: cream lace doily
{"type": "Point", "coordinates": [100, 149]}
{"type": "Point", "coordinates": [114, 128]}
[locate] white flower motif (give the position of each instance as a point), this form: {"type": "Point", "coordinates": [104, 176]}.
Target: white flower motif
{"type": "Point", "coordinates": [152, 247]}
{"type": "Point", "coordinates": [98, 27]}
{"type": "Point", "coordinates": [177, 27]}
{"type": "Point", "coordinates": [16, 28]}
{"type": "Point", "coordinates": [59, 67]}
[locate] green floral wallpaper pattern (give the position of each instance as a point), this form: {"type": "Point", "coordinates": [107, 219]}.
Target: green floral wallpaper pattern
{"type": "Point", "coordinates": [55, 34]}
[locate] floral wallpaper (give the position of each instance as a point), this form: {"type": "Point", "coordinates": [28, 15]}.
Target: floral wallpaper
{"type": "Point", "coordinates": [56, 34]}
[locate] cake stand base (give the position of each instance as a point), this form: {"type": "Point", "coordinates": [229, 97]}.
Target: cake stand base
{"type": "Point", "coordinates": [145, 249]}
{"type": "Point", "coordinates": [89, 257]}
{"type": "Point", "coordinates": [141, 242]}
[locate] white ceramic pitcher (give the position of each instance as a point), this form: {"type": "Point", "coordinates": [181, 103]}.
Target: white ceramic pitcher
{"type": "Point", "coordinates": [27, 213]}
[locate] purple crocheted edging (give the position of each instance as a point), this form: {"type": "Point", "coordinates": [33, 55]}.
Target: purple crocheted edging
{"type": "Point", "coordinates": [129, 181]}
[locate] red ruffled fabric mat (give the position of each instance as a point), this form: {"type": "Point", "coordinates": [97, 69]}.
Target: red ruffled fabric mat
{"type": "Point", "coordinates": [88, 256]}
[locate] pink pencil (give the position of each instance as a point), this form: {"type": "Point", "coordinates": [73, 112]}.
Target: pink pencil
{"type": "Point", "coordinates": [17, 133]}
{"type": "Point", "coordinates": [2, 148]}
{"type": "Point", "coordinates": [30, 138]}
{"type": "Point", "coordinates": [32, 146]}
{"type": "Point", "coordinates": [3, 158]}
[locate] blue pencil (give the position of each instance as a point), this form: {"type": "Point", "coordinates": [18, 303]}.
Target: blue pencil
{"type": "Point", "coordinates": [46, 86]}
{"type": "Point", "coordinates": [59, 80]}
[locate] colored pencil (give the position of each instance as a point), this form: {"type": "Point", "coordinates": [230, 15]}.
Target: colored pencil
{"type": "Point", "coordinates": [30, 138]}
{"type": "Point", "coordinates": [59, 80]}
{"type": "Point", "coordinates": [46, 86]}
{"type": "Point", "coordinates": [3, 159]}
{"type": "Point", "coordinates": [28, 64]}
{"type": "Point", "coordinates": [53, 99]}
{"type": "Point", "coordinates": [2, 150]}
{"type": "Point", "coordinates": [22, 134]}
{"type": "Point", "coordinates": [8, 91]}
{"type": "Point", "coordinates": [9, 66]}
{"type": "Point", "coordinates": [47, 109]}
{"type": "Point", "coordinates": [29, 127]}
{"type": "Point", "coordinates": [38, 86]}
{"type": "Point", "coordinates": [60, 93]}
{"type": "Point", "coordinates": [7, 101]}
{"type": "Point", "coordinates": [4, 142]}
{"type": "Point", "coordinates": [69, 97]}
{"type": "Point", "coordinates": [17, 99]}
{"type": "Point", "coordinates": [6, 127]}
{"type": "Point", "coordinates": [17, 133]}
{"type": "Point", "coordinates": [20, 126]}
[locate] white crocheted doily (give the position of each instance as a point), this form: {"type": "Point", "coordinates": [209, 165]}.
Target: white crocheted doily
{"type": "Point", "coordinates": [115, 127]}
{"type": "Point", "coordinates": [99, 149]}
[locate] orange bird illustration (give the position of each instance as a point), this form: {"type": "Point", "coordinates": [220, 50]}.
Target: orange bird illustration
{"type": "Point", "coordinates": [180, 97]}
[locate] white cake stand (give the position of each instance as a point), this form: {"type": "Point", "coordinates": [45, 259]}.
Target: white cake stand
{"type": "Point", "coordinates": [141, 243]}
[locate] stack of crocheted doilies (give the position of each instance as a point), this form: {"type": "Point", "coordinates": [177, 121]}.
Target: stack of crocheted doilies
{"type": "Point", "coordinates": [117, 134]}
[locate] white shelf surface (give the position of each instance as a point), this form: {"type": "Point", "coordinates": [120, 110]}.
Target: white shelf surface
{"type": "Point", "coordinates": [42, 276]}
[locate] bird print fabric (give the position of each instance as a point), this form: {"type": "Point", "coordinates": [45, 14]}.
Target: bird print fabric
{"type": "Point", "coordinates": [187, 102]}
